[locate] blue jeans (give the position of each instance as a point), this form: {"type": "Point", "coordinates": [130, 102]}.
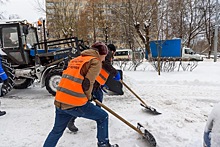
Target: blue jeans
{"type": "Point", "coordinates": [98, 94]}
{"type": "Point", "coordinates": [89, 111]}
{"type": "Point", "coordinates": [207, 139]}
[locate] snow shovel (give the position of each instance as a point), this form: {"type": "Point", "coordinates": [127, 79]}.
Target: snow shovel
{"type": "Point", "coordinates": [151, 109]}
{"type": "Point", "coordinates": [140, 129]}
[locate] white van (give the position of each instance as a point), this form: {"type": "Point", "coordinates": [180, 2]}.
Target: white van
{"type": "Point", "coordinates": [123, 55]}
{"type": "Point", "coordinates": [191, 54]}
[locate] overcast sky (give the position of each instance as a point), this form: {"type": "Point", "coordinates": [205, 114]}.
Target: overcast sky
{"type": "Point", "coordinates": [25, 9]}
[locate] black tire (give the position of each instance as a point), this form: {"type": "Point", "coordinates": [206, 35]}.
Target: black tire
{"type": "Point", "coordinates": [23, 83]}
{"type": "Point", "coordinates": [9, 83]}
{"type": "Point", "coordinates": [52, 80]}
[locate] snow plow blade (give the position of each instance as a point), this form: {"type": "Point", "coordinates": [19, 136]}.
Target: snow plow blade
{"type": "Point", "coordinates": [114, 87]}
{"type": "Point", "coordinates": [151, 109]}
{"type": "Point", "coordinates": [140, 129]}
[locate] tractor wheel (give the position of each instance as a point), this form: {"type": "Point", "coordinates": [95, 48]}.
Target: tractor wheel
{"type": "Point", "coordinates": [52, 80]}
{"type": "Point", "coordinates": [23, 83]}
{"type": "Point", "coordinates": [9, 83]}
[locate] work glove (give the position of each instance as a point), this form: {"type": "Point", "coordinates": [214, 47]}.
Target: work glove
{"type": "Point", "coordinates": [117, 76]}
{"type": "Point", "coordinates": [104, 88]}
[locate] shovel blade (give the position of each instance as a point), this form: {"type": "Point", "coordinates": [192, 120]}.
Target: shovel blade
{"type": "Point", "coordinates": [150, 138]}
{"type": "Point", "coordinates": [151, 109]}
{"type": "Point", "coordinates": [147, 135]}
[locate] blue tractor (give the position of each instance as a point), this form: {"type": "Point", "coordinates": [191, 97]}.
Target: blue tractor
{"type": "Point", "coordinates": [26, 60]}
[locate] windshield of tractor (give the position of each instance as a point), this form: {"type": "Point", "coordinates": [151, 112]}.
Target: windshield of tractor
{"type": "Point", "coordinates": [30, 39]}
{"type": "Point", "coordinates": [10, 37]}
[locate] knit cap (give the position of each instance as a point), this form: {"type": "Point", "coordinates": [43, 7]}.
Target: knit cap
{"type": "Point", "coordinates": [101, 48]}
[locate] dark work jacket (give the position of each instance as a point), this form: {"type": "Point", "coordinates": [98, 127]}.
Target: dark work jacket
{"type": "Point", "coordinates": [108, 67]}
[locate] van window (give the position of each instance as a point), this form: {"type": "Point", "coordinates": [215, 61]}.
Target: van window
{"type": "Point", "coordinates": [189, 51]}
{"type": "Point", "coordinates": [123, 54]}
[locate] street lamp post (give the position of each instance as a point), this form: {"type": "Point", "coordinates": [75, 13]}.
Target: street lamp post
{"type": "Point", "coordinates": [216, 32]}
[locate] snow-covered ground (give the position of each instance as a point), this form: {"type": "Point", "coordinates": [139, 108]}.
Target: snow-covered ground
{"type": "Point", "coordinates": [184, 98]}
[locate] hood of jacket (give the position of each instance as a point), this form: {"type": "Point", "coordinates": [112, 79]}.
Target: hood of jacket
{"type": "Point", "coordinates": [90, 52]}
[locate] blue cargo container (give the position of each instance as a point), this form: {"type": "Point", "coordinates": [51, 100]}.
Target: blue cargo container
{"type": "Point", "coordinates": [165, 48]}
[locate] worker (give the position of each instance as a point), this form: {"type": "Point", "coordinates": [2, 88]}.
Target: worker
{"type": "Point", "coordinates": [7, 40]}
{"type": "Point", "coordinates": [212, 131]}
{"type": "Point", "coordinates": [74, 95]}
{"type": "Point", "coordinates": [98, 86]}
{"type": "Point", "coordinates": [3, 77]}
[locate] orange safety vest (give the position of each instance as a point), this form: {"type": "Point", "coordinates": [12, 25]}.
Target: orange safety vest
{"type": "Point", "coordinates": [102, 77]}
{"type": "Point", "coordinates": [69, 90]}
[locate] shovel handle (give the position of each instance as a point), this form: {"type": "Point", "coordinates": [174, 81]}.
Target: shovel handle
{"type": "Point", "coordinates": [118, 116]}
{"type": "Point", "coordinates": [133, 92]}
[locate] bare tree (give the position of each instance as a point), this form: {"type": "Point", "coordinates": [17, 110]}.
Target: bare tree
{"type": "Point", "coordinates": [2, 13]}
{"type": "Point", "coordinates": [62, 18]}
{"type": "Point", "coordinates": [188, 19]}
{"type": "Point", "coordinates": [208, 7]}
{"type": "Point", "coordinates": [3, 1]}
{"type": "Point", "coordinates": [137, 18]}
{"type": "Point", "coordinates": [132, 23]}
{"type": "Point", "coordinates": [91, 21]}
{"type": "Point", "coordinates": [14, 16]}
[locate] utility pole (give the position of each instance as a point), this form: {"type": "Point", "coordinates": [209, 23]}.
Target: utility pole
{"type": "Point", "coordinates": [106, 22]}
{"type": "Point", "coordinates": [93, 22]}
{"type": "Point", "coordinates": [45, 37]}
{"type": "Point", "coordinates": [216, 32]}
{"type": "Point", "coordinates": [106, 35]}
{"type": "Point", "coordinates": [129, 24]}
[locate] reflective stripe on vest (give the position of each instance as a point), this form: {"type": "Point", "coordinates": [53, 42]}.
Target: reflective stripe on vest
{"type": "Point", "coordinates": [70, 90]}
{"type": "Point", "coordinates": [102, 77]}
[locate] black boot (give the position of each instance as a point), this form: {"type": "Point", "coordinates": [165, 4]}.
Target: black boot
{"type": "Point", "coordinates": [71, 126]}
{"type": "Point", "coordinates": [2, 113]}
{"type": "Point", "coordinates": [107, 145]}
